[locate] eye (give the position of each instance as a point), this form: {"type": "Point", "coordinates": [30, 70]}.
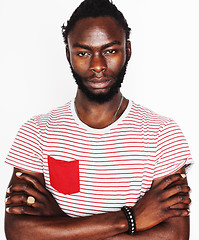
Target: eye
{"type": "Point", "coordinates": [110, 51]}
{"type": "Point", "coordinates": [82, 54]}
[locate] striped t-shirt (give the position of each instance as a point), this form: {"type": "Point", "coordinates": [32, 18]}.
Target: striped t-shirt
{"type": "Point", "coordinates": [91, 171]}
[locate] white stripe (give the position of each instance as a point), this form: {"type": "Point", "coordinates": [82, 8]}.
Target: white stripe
{"type": "Point", "coordinates": [116, 165]}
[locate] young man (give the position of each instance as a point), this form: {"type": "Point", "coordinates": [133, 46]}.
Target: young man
{"type": "Point", "coordinates": [101, 166]}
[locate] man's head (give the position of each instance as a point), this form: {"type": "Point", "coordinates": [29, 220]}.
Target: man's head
{"type": "Point", "coordinates": [98, 49]}
{"type": "Point", "coordinates": [95, 8]}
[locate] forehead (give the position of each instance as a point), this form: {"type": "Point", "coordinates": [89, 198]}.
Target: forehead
{"type": "Point", "coordinates": [96, 31]}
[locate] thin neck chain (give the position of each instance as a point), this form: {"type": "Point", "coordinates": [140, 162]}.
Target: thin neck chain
{"type": "Point", "coordinates": [113, 118]}
{"type": "Point", "coordinates": [120, 104]}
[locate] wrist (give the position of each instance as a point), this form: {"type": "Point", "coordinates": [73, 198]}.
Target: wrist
{"type": "Point", "coordinates": [128, 212]}
{"type": "Point", "coordinates": [121, 222]}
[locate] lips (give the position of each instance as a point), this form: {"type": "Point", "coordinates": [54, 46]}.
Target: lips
{"type": "Point", "coordinates": [99, 83]}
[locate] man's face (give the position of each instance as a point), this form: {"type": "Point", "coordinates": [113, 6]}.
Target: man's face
{"type": "Point", "coordinates": [98, 55]}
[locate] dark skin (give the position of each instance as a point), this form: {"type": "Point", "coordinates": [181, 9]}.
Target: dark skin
{"type": "Point", "coordinates": [98, 63]}
{"type": "Point", "coordinates": [162, 213]}
{"type": "Point", "coordinates": [46, 220]}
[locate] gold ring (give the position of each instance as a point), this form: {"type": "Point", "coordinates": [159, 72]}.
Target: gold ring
{"type": "Point", "coordinates": [30, 200]}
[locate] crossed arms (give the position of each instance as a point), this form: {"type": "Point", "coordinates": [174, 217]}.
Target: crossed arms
{"type": "Point", "coordinates": [162, 213]}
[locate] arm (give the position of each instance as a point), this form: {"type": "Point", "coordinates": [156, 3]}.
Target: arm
{"type": "Point", "coordinates": [171, 228]}
{"type": "Point", "coordinates": [45, 220]}
{"type": "Point", "coordinates": [52, 224]}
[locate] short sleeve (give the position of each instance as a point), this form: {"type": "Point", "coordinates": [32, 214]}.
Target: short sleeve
{"type": "Point", "coordinates": [26, 151]}
{"type": "Point", "coordinates": [172, 150]}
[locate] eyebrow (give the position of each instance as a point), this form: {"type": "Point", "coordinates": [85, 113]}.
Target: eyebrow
{"type": "Point", "coordinates": [103, 47]}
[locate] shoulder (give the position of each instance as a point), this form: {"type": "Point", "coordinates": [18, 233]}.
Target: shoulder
{"type": "Point", "coordinates": [39, 123]}
{"type": "Point", "coordinates": [53, 115]}
{"type": "Point", "coordinates": [148, 116]}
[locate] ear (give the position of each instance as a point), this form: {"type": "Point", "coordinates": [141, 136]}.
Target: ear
{"type": "Point", "coordinates": [67, 54]}
{"type": "Point", "coordinates": [128, 49]}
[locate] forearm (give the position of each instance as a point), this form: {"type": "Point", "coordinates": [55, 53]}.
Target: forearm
{"type": "Point", "coordinates": [172, 229]}
{"type": "Point", "coordinates": [154, 215]}
{"type": "Point", "coordinates": [102, 226]}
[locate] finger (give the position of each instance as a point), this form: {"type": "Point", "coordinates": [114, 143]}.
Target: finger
{"type": "Point", "coordinates": [22, 187]}
{"type": "Point", "coordinates": [21, 210]}
{"type": "Point", "coordinates": [27, 189]}
{"type": "Point", "coordinates": [175, 190]}
{"type": "Point", "coordinates": [177, 199]}
{"type": "Point", "coordinates": [177, 213]}
{"type": "Point", "coordinates": [170, 180]}
{"type": "Point", "coordinates": [31, 179]}
{"type": "Point", "coordinates": [19, 199]}
{"type": "Point", "coordinates": [180, 206]}
{"type": "Point", "coordinates": [22, 200]}
{"type": "Point", "coordinates": [16, 199]}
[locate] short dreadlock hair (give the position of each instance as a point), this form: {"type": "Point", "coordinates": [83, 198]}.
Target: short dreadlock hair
{"type": "Point", "coordinates": [95, 8]}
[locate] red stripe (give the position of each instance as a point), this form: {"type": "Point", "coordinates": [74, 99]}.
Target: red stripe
{"type": "Point", "coordinates": [131, 150]}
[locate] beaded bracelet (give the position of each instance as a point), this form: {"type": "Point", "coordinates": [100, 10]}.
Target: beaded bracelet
{"type": "Point", "coordinates": [131, 220]}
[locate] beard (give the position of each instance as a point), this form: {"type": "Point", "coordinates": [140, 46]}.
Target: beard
{"type": "Point", "coordinates": [101, 97]}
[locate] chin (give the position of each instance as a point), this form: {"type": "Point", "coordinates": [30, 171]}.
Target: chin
{"type": "Point", "coordinates": [103, 96]}
{"type": "Point", "coordinates": [100, 97]}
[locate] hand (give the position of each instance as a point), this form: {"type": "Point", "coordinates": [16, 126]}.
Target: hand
{"type": "Point", "coordinates": [159, 202]}
{"type": "Point", "coordinates": [43, 203]}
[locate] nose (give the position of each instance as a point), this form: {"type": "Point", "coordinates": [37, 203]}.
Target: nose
{"type": "Point", "coordinates": [98, 64]}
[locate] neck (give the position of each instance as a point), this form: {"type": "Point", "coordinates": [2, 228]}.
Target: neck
{"type": "Point", "coordinates": [99, 115]}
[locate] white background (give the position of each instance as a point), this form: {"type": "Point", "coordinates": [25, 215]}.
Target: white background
{"type": "Point", "coordinates": [163, 73]}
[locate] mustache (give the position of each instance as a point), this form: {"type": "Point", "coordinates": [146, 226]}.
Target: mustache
{"type": "Point", "coordinates": [100, 98]}
{"type": "Point", "coordinates": [99, 76]}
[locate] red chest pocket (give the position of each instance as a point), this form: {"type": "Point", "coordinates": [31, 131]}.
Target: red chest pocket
{"type": "Point", "coordinates": [64, 176]}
